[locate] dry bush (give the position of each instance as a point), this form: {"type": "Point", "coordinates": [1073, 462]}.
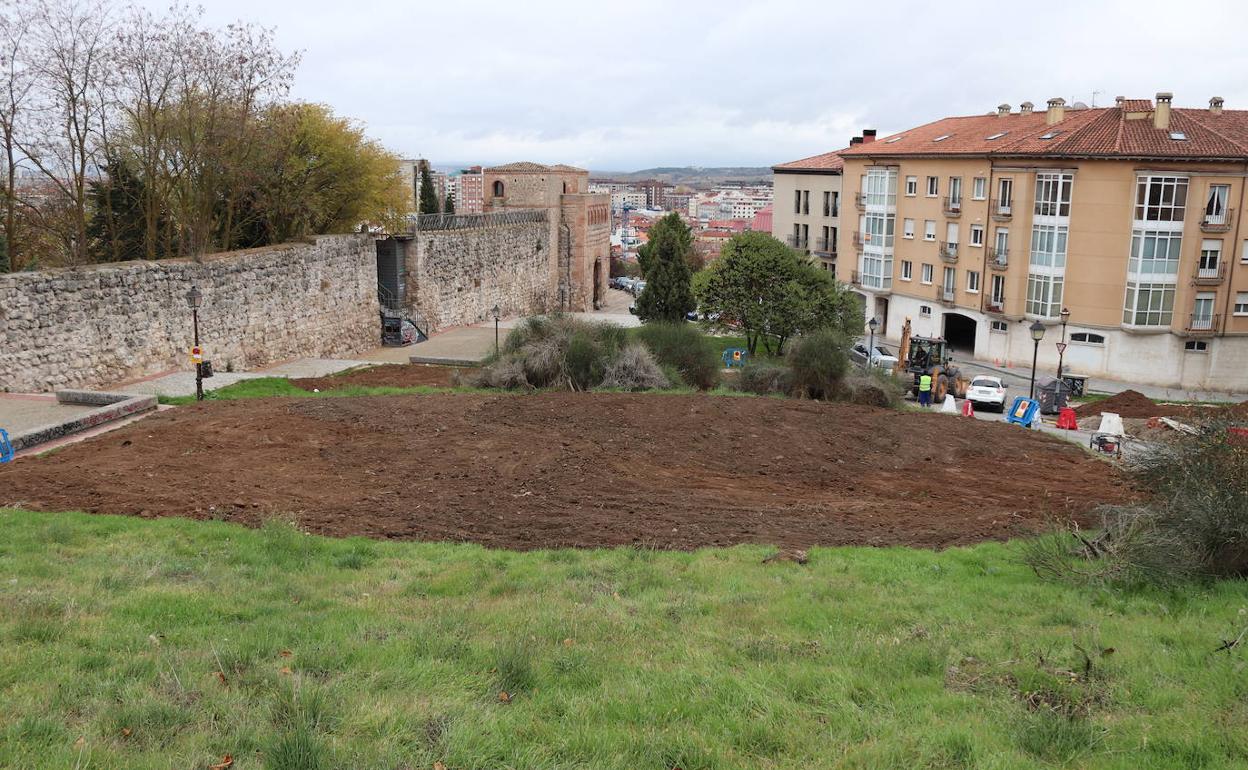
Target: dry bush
{"type": "Point", "coordinates": [765, 379]}
{"type": "Point", "coordinates": [819, 361]}
{"type": "Point", "coordinates": [634, 369]}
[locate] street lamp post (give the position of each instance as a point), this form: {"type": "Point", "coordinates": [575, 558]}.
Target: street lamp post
{"type": "Point", "coordinates": [872, 324]}
{"type": "Point", "coordinates": [496, 313]}
{"type": "Point", "coordinates": [1037, 334]}
{"type": "Point", "coordinates": [194, 299]}
{"type": "Point", "coordinates": [1061, 349]}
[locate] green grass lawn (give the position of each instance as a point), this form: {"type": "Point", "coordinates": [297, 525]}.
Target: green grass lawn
{"type": "Point", "coordinates": [267, 387]}
{"type": "Point", "coordinates": [170, 643]}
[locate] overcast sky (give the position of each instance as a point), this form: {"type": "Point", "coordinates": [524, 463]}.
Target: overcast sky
{"type": "Point", "coordinates": [630, 85]}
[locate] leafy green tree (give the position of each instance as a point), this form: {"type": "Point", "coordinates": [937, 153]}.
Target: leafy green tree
{"type": "Point", "coordinates": [673, 224]}
{"type": "Point", "coordinates": [668, 295]}
{"type": "Point", "coordinates": [428, 196]}
{"type": "Point", "coordinates": [449, 208]}
{"type": "Point", "coordinates": [117, 230]}
{"type": "Point", "coordinates": [773, 293]}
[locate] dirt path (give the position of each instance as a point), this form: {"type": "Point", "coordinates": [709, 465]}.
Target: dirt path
{"type": "Point", "coordinates": [578, 470]}
{"type": "Point", "coordinates": [385, 376]}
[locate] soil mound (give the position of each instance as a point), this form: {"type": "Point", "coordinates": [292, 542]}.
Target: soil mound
{"type": "Point", "coordinates": [578, 469]}
{"type": "Point", "coordinates": [384, 376]}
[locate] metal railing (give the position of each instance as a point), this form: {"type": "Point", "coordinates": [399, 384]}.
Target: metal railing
{"type": "Point", "coordinates": [996, 305]}
{"type": "Point", "coordinates": [425, 222]}
{"type": "Point", "coordinates": [1210, 275]}
{"type": "Point", "coordinates": [797, 241]}
{"type": "Point", "coordinates": [826, 246]}
{"type": "Point", "coordinates": [876, 282]}
{"type": "Point", "coordinates": [949, 251]}
{"type": "Point", "coordinates": [999, 211]}
{"type": "Point", "coordinates": [952, 207]}
{"type": "Point", "coordinates": [998, 260]}
{"type": "Point", "coordinates": [948, 296]}
{"type": "Point", "coordinates": [860, 200]}
{"type": "Point", "coordinates": [859, 240]}
{"type": "Point", "coordinates": [1217, 223]}
{"type": "Point", "coordinates": [1203, 324]}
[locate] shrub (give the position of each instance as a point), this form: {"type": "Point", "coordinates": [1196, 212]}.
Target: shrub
{"type": "Point", "coordinates": [1194, 526]}
{"type": "Point", "coordinates": [554, 352]}
{"type": "Point", "coordinates": [507, 373]}
{"type": "Point", "coordinates": [634, 369]}
{"type": "Point", "coordinates": [874, 388]}
{"type": "Point", "coordinates": [685, 347]}
{"type": "Point", "coordinates": [765, 379]}
{"type": "Point", "coordinates": [819, 361]}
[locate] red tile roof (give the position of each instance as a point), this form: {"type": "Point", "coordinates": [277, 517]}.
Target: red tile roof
{"type": "Point", "coordinates": [1100, 132]}
{"type": "Point", "coordinates": [829, 161]}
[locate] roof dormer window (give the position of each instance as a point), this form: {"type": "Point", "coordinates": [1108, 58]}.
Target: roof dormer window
{"type": "Point", "coordinates": [1050, 135]}
{"type": "Point", "coordinates": [941, 138]}
{"type": "Point", "coordinates": [894, 139]}
{"type": "Point", "coordinates": [1178, 136]}
{"type": "Point", "coordinates": [997, 135]}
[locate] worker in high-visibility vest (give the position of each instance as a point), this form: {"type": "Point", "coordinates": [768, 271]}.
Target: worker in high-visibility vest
{"type": "Point", "coordinates": [925, 390]}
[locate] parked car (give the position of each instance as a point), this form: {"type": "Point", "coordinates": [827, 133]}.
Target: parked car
{"type": "Point", "coordinates": [881, 358]}
{"type": "Point", "coordinates": [638, 288]}
{"type": "Point", "coordinates": [627, 284]}
{"type": "Point", "coordinates": [987, 392]}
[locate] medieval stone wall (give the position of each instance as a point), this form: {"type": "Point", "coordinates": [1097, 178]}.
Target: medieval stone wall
{"type": "Point", "coordinates": [94, 326]}
{"type": "Point", "coordinates": [455, 277]}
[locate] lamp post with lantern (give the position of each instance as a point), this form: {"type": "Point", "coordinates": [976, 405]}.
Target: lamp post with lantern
{"type": "Point", "coordinates": [1037, 334]}
{"type": "Point", "coordinates": [872, 325]}
{"type": "Point", "coordinates": [195, 299]}
{"type": "Point", "coordinates": [1061, 349]}
{"type": "Point", "coordinates": [496, 312]}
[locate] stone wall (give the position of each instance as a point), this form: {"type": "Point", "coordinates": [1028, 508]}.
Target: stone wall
{"type": "Point", "coordinates": [94, 326]}
{"type": "Point", "coordinates": [455, 277]}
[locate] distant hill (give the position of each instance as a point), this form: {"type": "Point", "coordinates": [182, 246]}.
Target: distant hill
{"type": "Point", "coordinates": [692, 176]}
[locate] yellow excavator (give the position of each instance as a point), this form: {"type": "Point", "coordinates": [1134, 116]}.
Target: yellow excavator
{"type": "Point", "coordinates": [918, 356]}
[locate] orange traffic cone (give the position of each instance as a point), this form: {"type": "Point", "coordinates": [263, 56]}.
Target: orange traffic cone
{"type": "Point", "coordinates": [968, 409]}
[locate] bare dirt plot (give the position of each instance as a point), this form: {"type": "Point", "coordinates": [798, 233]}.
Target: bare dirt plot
{"type": "Point", "coordinates": [583, 470]}
{"type": "Point", "coordinates": [1133, 404]}
{"type": "Point", "coordinates": [385, 376]}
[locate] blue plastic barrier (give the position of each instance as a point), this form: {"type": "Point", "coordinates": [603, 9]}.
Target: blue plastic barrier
{"type": "Point", "coordinates": [6, 449]}
{"type": "Point", "coordinates": [1023, 412]}
{"type": "Point", "coordinates": [735, 357]}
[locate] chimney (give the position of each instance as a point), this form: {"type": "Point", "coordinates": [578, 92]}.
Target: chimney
{"type": "Point", "coordinates": [868, 135]}
{"type": "Point", "coordinates": [1215, 105]}
{"type": "Point", "coordinates": [1161, 114]}
{"type": "Point", "coordinates": [1057, 111]}
{"type": "Point", "coordinates": [1118, 100]}
{"type": "Point", "coordinates": [855, 140]}
{"type": "Point", "coordinates": [1003, 109]}
{"type": "Point", "coordinates": [1025, 108]}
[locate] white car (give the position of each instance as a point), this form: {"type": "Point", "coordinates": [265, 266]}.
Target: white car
{"type": "Point", "coordinates": [880, 357]}
{"type": "Point", "coordinates": [987, 392]}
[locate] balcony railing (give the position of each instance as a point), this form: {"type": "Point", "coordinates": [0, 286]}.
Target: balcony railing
{"type": "Point", "coordinates": [953, 207]}
{"type": "Point", "coordinates": [1210, 276]}
{"type": "Point", "coordinates": [996, 305]}
{"type": "Point", "coordinates": [797, 242]}
{"type": "Point", "coordinates": [825, 247]}
{"type": "Point", "coordinates": [875, 282]}
{"type": "Point", "coordinates": [949, 251]}
{"type": "Point", "coordinates": [947, 296]}
{"type": "Point", "coordinates": [1001, 212]}
{"type": "Point", "coordinates": [1217, 223]}
{"type": "Point", "coordinates": [860, 200]}
{"type": "Point", "coordinates": [998, 260]}
{"type": "Point", "coordinates": [1202, 324]}
{"type": "Point", "coordinates": [859, 240]}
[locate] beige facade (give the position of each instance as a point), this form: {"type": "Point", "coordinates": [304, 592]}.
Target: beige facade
{"type": "Point", "coordinates": [581, 220]}
{"type": "Point", "coordinates": [991, 266]}
{"type": "Point", "coordinates": [807, 206]}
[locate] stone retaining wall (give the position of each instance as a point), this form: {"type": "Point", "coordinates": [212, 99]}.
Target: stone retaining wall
{"type": "Point", "coordinates": [94, 326]}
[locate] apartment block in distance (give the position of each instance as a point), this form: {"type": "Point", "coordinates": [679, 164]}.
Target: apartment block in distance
{"type": "Point", "coordinates": [807, 206]}
{"type": "Point", "coordinates": [1130, 217]}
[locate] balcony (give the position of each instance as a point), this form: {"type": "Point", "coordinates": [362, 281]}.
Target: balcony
{"type": "Point", "coordinates": [1217, 223]}
{"type": "Point", "coordinates": [825, 247]}
{"type": "Point", "coordinates": [1001, 212]}
{"type": "Point", "coordinates": [998, 260]}
{"type": "Point", "coordinates": [797, 242]}
{"type": "Point", "coordinates": [948, 297]}
{"type": "Point", "coordinates": [1210, 276]}
{"type": "Point", "coordinates": [952, 207]}
{"type": "Point", "coordinates": [1202, 325]}
{"type": "Point", "coordinates": [949, 251]}
{"type": "Point", "coordinates": [860, 200]}
{"type": "Point", "coordinates": [871, 282]}
{"type": "Point", "coordinates": [860, 240]}
{"type": "Point", "coordinates": [996, 306]}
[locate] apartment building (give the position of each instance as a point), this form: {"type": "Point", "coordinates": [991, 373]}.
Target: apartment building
{"type": "Point", "coordinates": [807, 208]}
{"type": "Point", "coordinates": [470, 191]}
{"type": "Point", "coordinates": [1129, 217]}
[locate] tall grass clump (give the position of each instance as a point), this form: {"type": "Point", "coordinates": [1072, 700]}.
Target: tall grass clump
{"type": "Point", "coordinates": [685, 348]}
{"type": "Point", "coordinates": [1192, 526]}
{"type": "Point", "coordinates": [635, 369]}
{"type": "Point", "coordinates": [554, 352]}
{"type": "Point", "coordinates": [819, 361]}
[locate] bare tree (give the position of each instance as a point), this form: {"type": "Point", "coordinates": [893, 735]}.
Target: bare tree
{"type": "Point", "coordinates": [15, 87]}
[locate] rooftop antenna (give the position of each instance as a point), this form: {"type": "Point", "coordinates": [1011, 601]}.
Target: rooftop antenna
{"type": "Point", "coordinates": [1094, 93]}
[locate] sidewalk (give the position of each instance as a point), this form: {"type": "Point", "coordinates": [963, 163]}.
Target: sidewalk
{"type": "Point", "coordinates": [1019, 376]}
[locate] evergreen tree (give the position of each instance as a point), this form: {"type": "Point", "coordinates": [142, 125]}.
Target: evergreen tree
{"type": "Point", "coordinates": [449, 208]}
{"type": "Point", "coordinates": [668, 295]}
{"type": "Point", "coordinates": [428, 196]}
{"type": "Point", "coordinates": [116, 231]}
{"type": "Point", "coordinates": [4, 254]}
{"type": "Point", "coordinates": [672, 223]}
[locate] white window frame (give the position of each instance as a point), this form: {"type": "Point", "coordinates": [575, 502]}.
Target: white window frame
{"type": "Point", "coordinates": [1208, 301]}
{"type": "Point", "coordinates": [1098, 342]}
{"type": "Point", "coordinates": [997, 296]}
{"type": "Point", "coordinates": [926, 274]}
{"type": "Point", "coordinates": [1054, 190]}
{"type": "Point", "coordinates": [929, 229]}
{"type": "Point", "coordinates": [977, 235]}
{"type": "Point", "coordinates": [1210, 260]}
{"type": "Point", "coordinates": [933, 186]}
{"type": "Point", "coordinates": [907, 229]}
{"type": "Point", "coordinates": [979, 188]}
{"type": "Point", "coordinates": [1160, 198]}
{"type": "Point", "coordinates": [1158, 310]}
{"type": "Point", "coordinates": [925, 311]}
{"type": "Point", "coordinates": [972, 282]}
{"type": "Point", "coordinates": [1044, 295]}
{"type": "Point", "coordinates": [949, 280]}
{"type": "Point", "coordinates": [1241, 303]}
{"type": "Point", "coordinates": [955, 191]}
{"type": "Point", "coordinates": [1196, 346]}
{"type": "Point", "coordinates": [1005, 194]}
{"type": "Point", "coordinates": [1000, 327]}
{"type": "Point", "coordinates": [912, 186]}
{"type": "Point", "coordinates": [907, 270]}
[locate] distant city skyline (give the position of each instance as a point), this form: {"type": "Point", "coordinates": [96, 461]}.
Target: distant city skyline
{"type": "Point", "coordinates": [630, 86]}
